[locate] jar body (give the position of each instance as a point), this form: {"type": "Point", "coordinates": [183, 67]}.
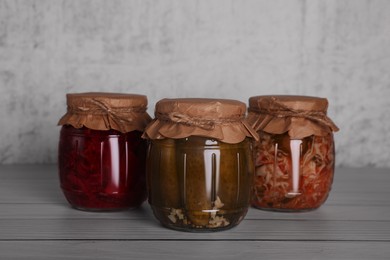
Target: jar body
{"type": "Point", "coordinates": [102, 169]}
{"type": "Point", "coordinates": [199, 184]}
{"type": "Point", "coordinates": [292, 175]}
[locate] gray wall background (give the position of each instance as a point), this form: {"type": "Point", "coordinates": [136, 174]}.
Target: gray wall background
{"type": "Point", "coordinates": [338, 49]}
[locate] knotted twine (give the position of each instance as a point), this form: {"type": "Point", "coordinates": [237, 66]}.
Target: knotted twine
{"type": "Point", "coordinates": [299, 116]}
{"type": "Point", "coordinates": [206, 124]}
{"type": "Point", "coordinates": [219, 119]}
{"type": "Point", "coordinates": [89, 109]}
{"type": "Point", "coordinates": [280, 110]}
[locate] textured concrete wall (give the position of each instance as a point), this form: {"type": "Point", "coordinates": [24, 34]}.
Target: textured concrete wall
{"type": "Point", "coordinates": [339, 49]}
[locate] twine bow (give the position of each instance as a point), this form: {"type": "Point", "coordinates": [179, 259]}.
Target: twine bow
{"type": "Point", "coordinates": [100, 108]}
{"type": "Point", "coordinates": [206, 124]}
{"type": "Point", "coordinates": [280, 110]}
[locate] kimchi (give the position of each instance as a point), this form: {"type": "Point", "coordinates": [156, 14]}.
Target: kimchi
{"type": "Point", "coordinates": [274, 175]}
{"type": "Point", "coordinates": [295, 155]}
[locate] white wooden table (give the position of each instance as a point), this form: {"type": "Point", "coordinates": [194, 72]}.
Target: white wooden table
{"type": "Point", "coordinates": [37, 223]}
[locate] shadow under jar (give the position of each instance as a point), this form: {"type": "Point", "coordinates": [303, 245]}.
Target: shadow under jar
{"type": "Point", "coordinates": [101, 154]}
{"type": "Point", "coordinates": [295, 156]}
{"type": "Point", "coordinates": [199, 164]}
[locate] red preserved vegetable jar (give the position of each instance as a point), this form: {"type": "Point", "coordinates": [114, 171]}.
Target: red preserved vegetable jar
{"type": "Point", "coordinates": [295, 156]}
{"type": "Point", "coordinates": [101, 154]}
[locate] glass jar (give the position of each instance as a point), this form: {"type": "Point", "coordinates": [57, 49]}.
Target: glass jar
{"type": "Point", "coordinates": [101, 154]}
{"type": "Point", "coordinates": [295, 156]}
{"type": "Point", "coordinates": [199, 164]}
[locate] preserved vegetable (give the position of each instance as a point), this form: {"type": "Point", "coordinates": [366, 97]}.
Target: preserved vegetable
{"type": "Point", "coordinates": [295, 156]}
{"type": "Point", "coordinates": [199, 165]}
{"type": "Point", "coordinates": [199, 183]}
{"type": "Point", "coordinates": [101, 155]}
{"type": "Point", "coordinates": [102, 170]}
{"type": "Point", "coordinates": [274, 187]}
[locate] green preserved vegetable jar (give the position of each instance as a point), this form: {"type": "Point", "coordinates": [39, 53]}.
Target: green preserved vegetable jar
{"type": "Point", "coordinates": [199, 164]}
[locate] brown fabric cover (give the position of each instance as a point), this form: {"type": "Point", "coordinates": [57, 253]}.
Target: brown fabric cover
{"type": "Point", "coordinates": [220, 119]}
{"type": "Point", "coordinates": [300, 116]}
{"type": "Point", "coordinates": [104, 111]}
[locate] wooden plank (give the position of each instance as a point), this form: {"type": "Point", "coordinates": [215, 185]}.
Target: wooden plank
{"type": "Point", "coordinates": [355, 177]}
{"type": "Point", "coordinates": [359, 199]}
{"type": "Point", "coordinates": [48, 192]}
{"type": "Point", "coordinates": [40, 184]}
{"type": "Point", "coordinates": [28, 171]}
{"type": "Point", "coordinates": [353, 224]}
{"type": "Point", "coordinates": [149, 228]}
{"type": "Point", "coordinates": [63, 210]}
{"type": "Point", "coordinates": [30, 191]}
{"type": "Point", "coordinates": [328, 213]}
{"type": "Point", "coordinates": [172, 250]}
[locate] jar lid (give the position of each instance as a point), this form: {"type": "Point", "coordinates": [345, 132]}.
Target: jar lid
{"type": "Point", "coordinates": [300, 116]}
{"type": "Point", "coordinates": [104, 111]}
{"type": "Point", "coordinates": [221, 119]}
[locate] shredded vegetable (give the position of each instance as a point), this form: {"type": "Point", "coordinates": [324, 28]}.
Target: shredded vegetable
{"type": "Point", "coordinates": [102, 170]}
{"type": "Point", "coordinates": [273, 172]}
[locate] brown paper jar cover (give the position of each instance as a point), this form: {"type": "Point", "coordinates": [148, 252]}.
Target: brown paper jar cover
{"type": "Point", "coordinates": [105, 111]}
{"type": "Point", "coordinates": [220, 119]}
{"type": "Point", "coordinates": [299, 116]}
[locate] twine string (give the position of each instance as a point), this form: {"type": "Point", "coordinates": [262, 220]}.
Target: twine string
{"type": "Point", "coordinates": [100, 108]}
{"type": "Point", "coordinates": [207, 124]}
{"type": "Point", "coordinates": [280, 110]}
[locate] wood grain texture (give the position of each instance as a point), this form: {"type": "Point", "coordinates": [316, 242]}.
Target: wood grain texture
{"type": "Point", "coordinates": [36, 222]}
{"type": "Point", "coordinates": [148, 228]}
{"type": "Point", "coordinates": [222, 250]}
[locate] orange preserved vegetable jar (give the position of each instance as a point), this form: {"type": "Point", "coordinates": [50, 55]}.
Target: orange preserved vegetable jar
{"type": "Point", "coordinates": [295, 156]}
